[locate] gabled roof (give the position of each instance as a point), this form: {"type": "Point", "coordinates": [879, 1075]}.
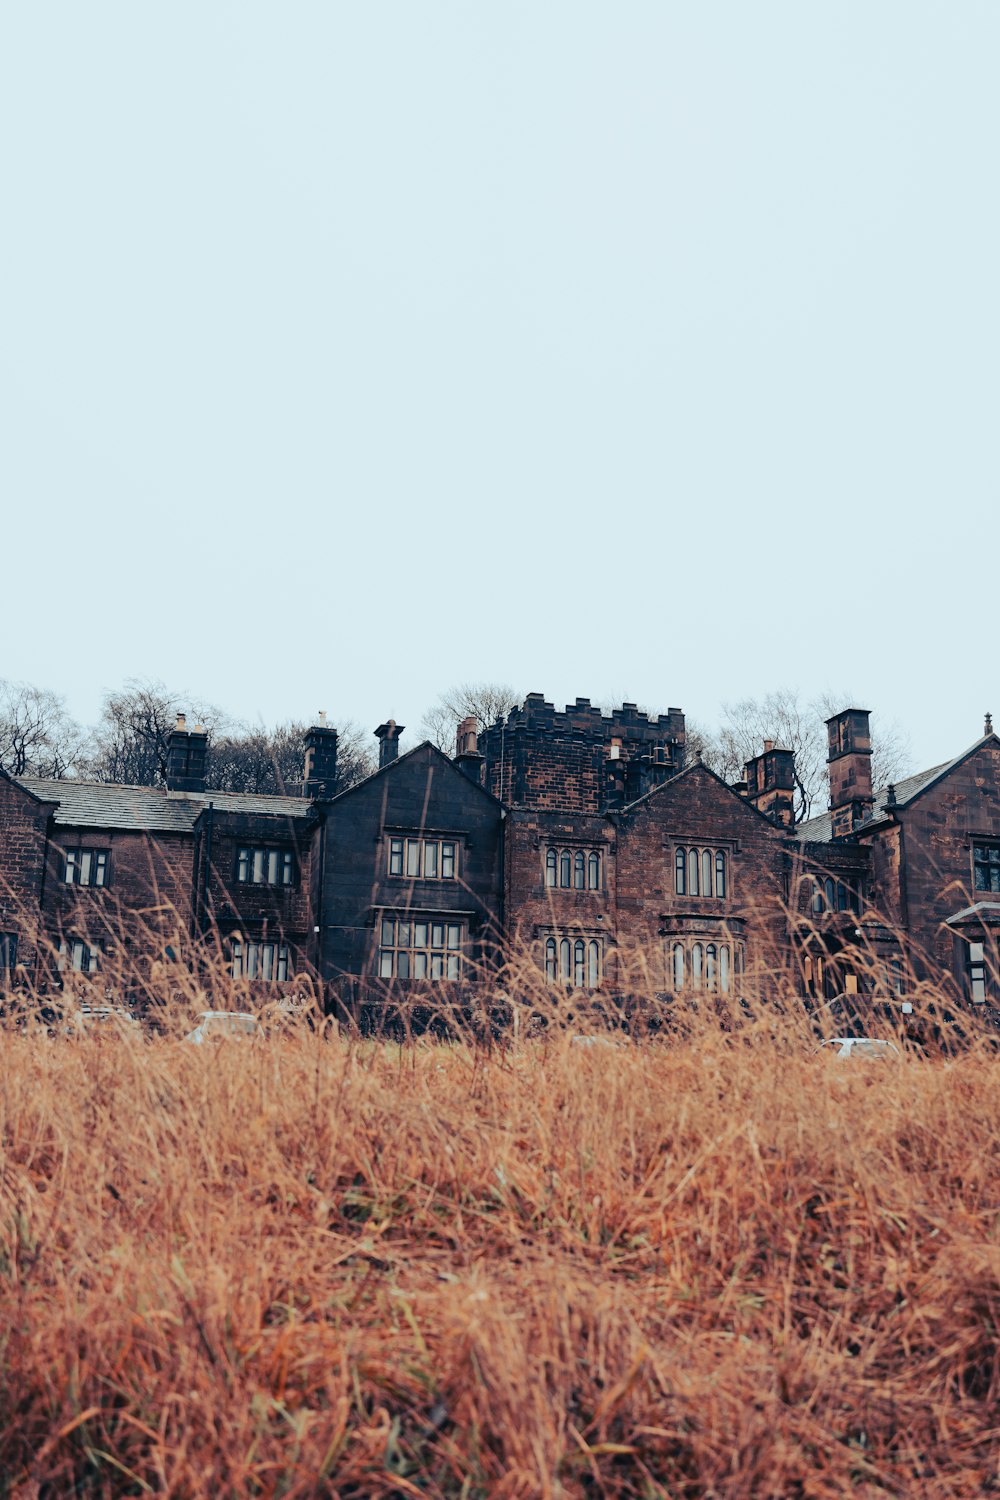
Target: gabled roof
{"type": "Point", "coordinates": [401, 760]}
{"type": "Point", "coordinates": [819, 830]}
{"type": "Point", "coordinates": [96, 804]}
{"type": "Point", "coordinates": [691, 770]}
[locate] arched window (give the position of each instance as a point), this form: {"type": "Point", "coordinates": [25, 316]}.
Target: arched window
{"type": "Point", "coordinates": [841, 896]}
{"type": "Point", "coordinates": [830, 892]}
{"type": "Point", "coordinates": [696, 965]}
{"type": "Point", "coordinates": [706, 872]}
{"type": "Point", "coordinates": [564, 960]}
{"type": "Point", "coordinates": [693, 863]}
{"type": "Point", "coordinates": [710, 966]}
{"type": "Point", "coordinates": [680, 873]}
{"type": "Point", "coordinates": [593, 963]}
{"type": "Point", "coordinates": [579, 871]}
{"type": "Point", "coordinates": [720, 872]}
{"type": "Point", "coordinates": [724, 969]}
{"type": "Point", "coordinates": [594, 871]}
{"type": "Point", "coordinates": [551, 862]}
{"type": "Point", "coordinates": [579, 963]}
{"type": "Point", "coordinates": [550, 960]}
{"type": "Point", "coordinates": [565, 869]}
{"type": "Point", "coordinates": [817, 897]}
{"type": "Point", "coordinates": [678, 966]}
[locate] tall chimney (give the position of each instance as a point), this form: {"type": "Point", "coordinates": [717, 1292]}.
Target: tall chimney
{"type": "Point", "coordinates": [387, 735]}
{"type": "Point", "coordinates": [770, 783]}
{"type": "Point", "coordinates": [467, 755]}
{"type": "Point", "coordinates": [850, 763]}
{"type": "Point", "coordinates": [319, 778]}
{"type": "Point", "coordinates": [187, 753]}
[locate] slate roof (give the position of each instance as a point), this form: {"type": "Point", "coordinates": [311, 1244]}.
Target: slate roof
{"type": "Point", "coordinates": [819, 830]}
{"type": "Point", "coordinates": [95, 804]}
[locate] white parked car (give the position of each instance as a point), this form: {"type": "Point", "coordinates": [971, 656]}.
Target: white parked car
{"type": "Point", "coordinates": [217, 1025]}
{"type": "Point", "coordinates": [100, 1018]}
{"type": "Point", "coordinates": [858, 1046]}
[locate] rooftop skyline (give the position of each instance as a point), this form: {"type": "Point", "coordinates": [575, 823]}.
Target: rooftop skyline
{"type": "Point", "coordinates": [351, 354]}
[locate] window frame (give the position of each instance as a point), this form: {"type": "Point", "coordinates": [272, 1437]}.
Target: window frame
{"type": "Point", "coordinates": [575, 960]}
{"type": "Point", "coordinates": [82, 860]}
{"type": "Point", "coordinates": [250, 857]}
{"type": "Point", "coordinates": [247, 959]}
{"type": "Point", "coordinates": [702, 870]}
{"type": "Point", "coordinates": [986, 856]}
{"type": "Point", "coordinates": [573, 867]}
{"type": "Point", "coordinates": [408, 947]}
{"type": "Point", "coordinates": [8, 955]}
{"type": "Point", "coordinates": [410, 854]}
{"type": "Point", "coordinates": [91, 955]}
{"type": "Point", "coordinates": [703, 964]}
{"type": "Point", "coordinates": [978, 973]}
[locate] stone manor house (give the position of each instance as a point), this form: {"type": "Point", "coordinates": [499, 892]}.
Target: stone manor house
{"type": "Point", "coordinates": [576, 833]}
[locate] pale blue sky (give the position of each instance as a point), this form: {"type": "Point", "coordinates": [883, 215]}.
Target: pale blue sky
{"type": "Point", "coordinates": [350, 351]}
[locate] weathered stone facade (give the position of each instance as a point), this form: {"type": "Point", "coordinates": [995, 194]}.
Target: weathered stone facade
{"type": "Point", "coordinates": [581, 834]}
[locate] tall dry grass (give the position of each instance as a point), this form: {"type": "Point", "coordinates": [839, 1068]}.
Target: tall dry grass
{"type": "Point", "coordinates": [324, 1265]}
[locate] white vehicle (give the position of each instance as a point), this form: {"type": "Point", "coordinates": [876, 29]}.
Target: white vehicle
{"type": "Point", "coordinates": [858, 1046]}
{"type": "Point", "coordinates": [100, 1017]}
{"type": "Point", "coordinates": [217, 1025]}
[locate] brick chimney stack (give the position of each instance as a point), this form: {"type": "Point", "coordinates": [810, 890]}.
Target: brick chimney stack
{"type": "Point", "coordinates": [187, 753]}
{"type": "Point", "coordinates": [319, 779]}
{"type": "Point", "coordinates": [387, 735]}
{"type": "Point", "coordinates": [467, 755]}
{"type": "Point", "coordinates": [850, 763]}
{"type": "Point", "coordinates": [770, 783]}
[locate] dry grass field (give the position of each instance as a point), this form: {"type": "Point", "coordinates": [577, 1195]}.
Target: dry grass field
{"type": "Point", "coordinates": [316, 1265]}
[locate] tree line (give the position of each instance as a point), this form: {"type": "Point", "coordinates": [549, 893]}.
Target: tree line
{"type": "Point", "coordinates": [128, 744]}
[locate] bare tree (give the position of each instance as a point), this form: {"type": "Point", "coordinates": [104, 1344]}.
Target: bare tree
{"type": "Point", "coordinates": [486, 701]}
{"type": "Point", "coordinates": [37, 735]}
{"type": "Point", "coordinates": [783, 717]}
{"type": "Point", "coordinates": [270, 761]}
{"type": "Point", "coordinates": [129, 744]}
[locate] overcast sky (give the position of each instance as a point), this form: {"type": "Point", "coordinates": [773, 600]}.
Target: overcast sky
{"type": "Point", "coordinates": [352, 350]}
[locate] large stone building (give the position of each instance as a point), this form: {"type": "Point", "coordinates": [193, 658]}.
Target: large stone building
{"type": "Point", "coordinates": [583, 836]}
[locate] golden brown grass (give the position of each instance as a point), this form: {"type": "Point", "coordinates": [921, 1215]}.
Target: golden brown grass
{"type": "Point", "coordinates": [325, 1266]}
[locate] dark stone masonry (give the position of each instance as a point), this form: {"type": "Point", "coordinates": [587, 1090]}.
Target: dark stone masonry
{"type": "Point", "coordinates": [580, 835]}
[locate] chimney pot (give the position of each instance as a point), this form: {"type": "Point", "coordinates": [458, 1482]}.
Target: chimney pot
{"type": "Point", "coordinates": [768, 745]}
{"type": "Point", "coordinates": [319, 778]}
{"type": "Point", "coordinates": [186, 758]}
{"type": "Point", "coordinates": [388, 735]}
{"type": "Point", "coordinates": [467, 755]}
